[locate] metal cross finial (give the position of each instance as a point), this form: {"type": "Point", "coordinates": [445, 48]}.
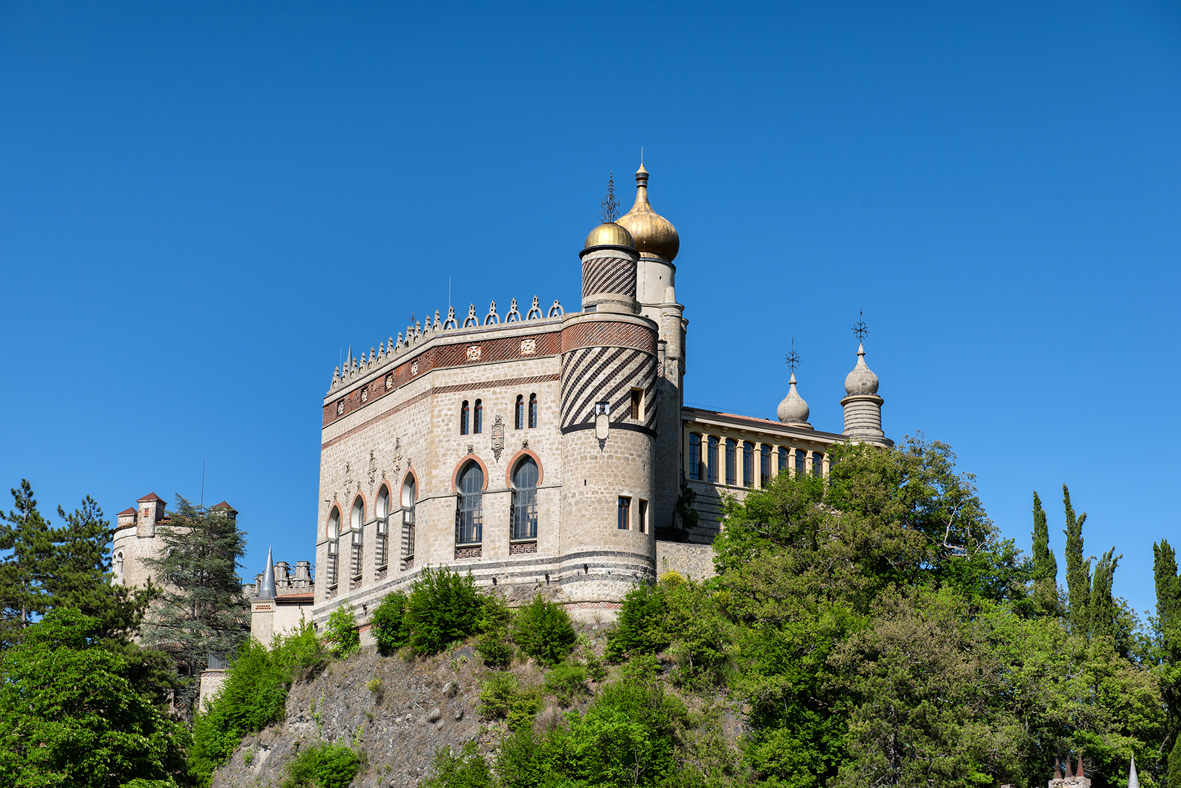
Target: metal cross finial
{"type": "Point", "coordinates": [860, 330]}
{"type": "Point", "coordinates": [792, 358]}
{"type": "Point", "coordinates": [411, 318]}
{"type": "Point", "coordinates": [610, 204]}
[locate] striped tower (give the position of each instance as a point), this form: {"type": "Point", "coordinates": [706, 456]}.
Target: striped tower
{"type": "Point", "coordinates": [608, 426]}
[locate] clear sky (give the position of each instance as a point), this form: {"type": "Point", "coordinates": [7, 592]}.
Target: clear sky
{"type": "Point", "coordinates": [203, 205]}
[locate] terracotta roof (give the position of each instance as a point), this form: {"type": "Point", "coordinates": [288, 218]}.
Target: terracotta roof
{"type": "Point", "coordinates": [295, 598]}
{"type": "Point", "coordinates": [224, 505]}
{"type": "Point", "coordinates": [129, 510]}
{"type": "Point", "coordinates": [150, 497]}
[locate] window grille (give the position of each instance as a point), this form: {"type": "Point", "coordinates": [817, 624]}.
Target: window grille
{"type": "Point", "coordinates": [358, 537]}
{"type": "Point", "coordinates": [519, 413]}
{"type": "Point", "coordinates": [381, 546]}
{"type": "Point", "coordinates": [469, 514]}
{"type": "Point", "coordinates": [333, 546]}
{"type": "Point", "coordinates": [409, 498]}
{"type": "Point", "coordinates": [695, 468]}
{"type": "Point", "coordinates": [524, 515]}
{"type": "Point", "coordinates": [478, 422]}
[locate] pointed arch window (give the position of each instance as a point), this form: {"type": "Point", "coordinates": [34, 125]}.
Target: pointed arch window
{"type": "Point", "coordinates": [532, 411]}
{"type": "Point", "coordinates": [469, 514]}
{"type": "Point", "coordinates": [382, 510]}
{"type": "Point", "coordinates": [463, 418]}
{"type": "Point", "coordinates": [333, 547]}
{"type": "Point", "coordinates": [478, 421]}
{"type": "Point", "coordinates": [525, 499]}
{"type": "Point", "coordinates": [356, 527]}
{"type": "Point", "coordinates": [409, 498]}
{"type": "Point", "coordinates": [519, 413]}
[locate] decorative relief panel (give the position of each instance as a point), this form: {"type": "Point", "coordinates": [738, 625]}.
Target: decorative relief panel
{"type": "Point", "coordinates": [497, 437]}
{"type": "Point", "coordinates": [528, 346]}
{"type": "Point", "coordinates": [473, 353]}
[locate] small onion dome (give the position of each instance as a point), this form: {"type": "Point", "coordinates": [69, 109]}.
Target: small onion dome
{"type": "Point", "coordinates": [861, 380]}
{"type": "Point", "coordinates": [654, 234]}
{"type": "Point", "coordinates": [793, 409]}
{"type": "Point", "coordinates": [609, 234]}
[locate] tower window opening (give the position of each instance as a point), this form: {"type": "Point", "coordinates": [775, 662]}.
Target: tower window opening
{"type": "Point", "coordinates": [532, 411]}
{"type": "Point", "coordinates": [519, 413]}
{"type": "Point", "coordinates": [333, 547]}
{"type": "Point", "coordinates": [712, 459]}
{"type": "Point", "coordinates": [463, 418]}
{"type": "Point", "coordinates": [765, 466]}
{"type": "Point", "coordinates": [357, 525]}
{"type": "Point", "coordinates": [525, 500]}
{"type": "Point", "coordinates": [801, 458]}
{"type": "Point", "coordinates": [469, 514]}
{"type": "Point", "coordinates": [748, 464]}
{"type": "Point", "coordinates": [119, 565]}
{"type": "Point", "coordinates": [637, 399]}
{"type": "Point", "coordinates": [643, 516]}
{"type": "Point", "coordinates": [695, 470]}
{"type": "Point", "coordinates": [478, 421]}
{"type": "Point", "coordinates": [625, 512]}
{"type": "Point", "coordinates": [409, 498]}
{"type": "Point", "coordinates": [817, 464]}
{"type": "Point", "coordinates": [382, 511]}
{"type": "Point", "coordinates": [731, 461]}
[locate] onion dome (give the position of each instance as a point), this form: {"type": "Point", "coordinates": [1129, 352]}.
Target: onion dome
{"type": "Point", "coordinates": [609, 234]}
{"type": "Point", "coordinates": [861, 380]}
{"type": "Point", "coordinates": [793, 410]}
{"type": "Point", "coordinates": [654, 235]}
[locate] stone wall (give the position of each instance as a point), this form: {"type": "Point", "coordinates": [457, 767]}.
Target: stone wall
{"type": "Point", "coordinates": [693, 561]}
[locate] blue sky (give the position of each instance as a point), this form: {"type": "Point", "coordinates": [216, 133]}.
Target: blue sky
{"type": "Point", "coordinates": [204, 205]}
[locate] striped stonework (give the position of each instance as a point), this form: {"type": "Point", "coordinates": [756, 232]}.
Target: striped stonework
{"type": "Point", "coordinates": [608, 275]}
{"type": "Point", "coordinates": [607, 374]}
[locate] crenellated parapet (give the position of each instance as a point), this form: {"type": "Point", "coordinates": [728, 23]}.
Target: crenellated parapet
{"type": "Point", "coordinates": [417, 334]}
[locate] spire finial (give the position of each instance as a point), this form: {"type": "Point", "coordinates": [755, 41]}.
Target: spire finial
{"type": "Point", "coordinates": [610, 204]}
{"type": "Point", "coordinates": [1133, 778]}
{"type": "Point", "coordinates": [860, 330]}
{"type": "Point", "coordinates": [792, 358]}
{"type": "Point", "coordinates": [267, 590]}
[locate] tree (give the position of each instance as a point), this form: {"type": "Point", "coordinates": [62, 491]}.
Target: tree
{"type": "Point", "coordinates": [1078, 571]}
{"type": "Point", "coordinates": [69, 715]}
{"type": "Point", "coordinates": [1045, 565]}
{"type": "Point", "coordinates": [1168, 628]}
{"type": "Point", "coordinates": [202, 608]}
{"type": "Point", "coordinates": [29, 540]}
{"type": "Point", "coordinates": [1104, 615]}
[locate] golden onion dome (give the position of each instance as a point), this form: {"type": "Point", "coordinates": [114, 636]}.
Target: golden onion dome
{"type": "Point", "coordinates": [609, 234]}
{"type": "Point", "coordinates": [653, 234]}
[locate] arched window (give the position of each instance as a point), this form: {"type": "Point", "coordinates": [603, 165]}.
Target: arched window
{"type": "Point", "coordinates": [783, 459]}
{"type": "Point", "coordinates": [469, 515]}
{"type": "Point", "coordinates": [519, 413]}
{"type": "Point", "coordinates": [711, 462]}
{"type": "Point", "coordinates": [357, 525]}
{"type": "Point", "coordinates": [382, 510]}
{"type": "Point", "coordinates": [765, 466]}
{"type": "Point", "coordinates": [695, 457]}
{"type": "Point", "coordinates": [800, 459]}
{"type": "Point", "coordinates": [119, 565]}
{"type": "Point", "coordinates": [532, 411]}
{"type": "Point", "coordinates": [409, 498]}
{"type": "Point", "coordinates": [731, 461]}
{"type": "Point", "coordinates": [525, 499]}
{"type": "Point", "coordinates": [333, 546]}
{"type": "Point", "coordinates": [748, 464]}
{"type": "Point", "coordinates": [478, 422]}
{"type": "Point", "coordinates": [463, 416]}
{"type": "Point", "coordinates": [817, 464]}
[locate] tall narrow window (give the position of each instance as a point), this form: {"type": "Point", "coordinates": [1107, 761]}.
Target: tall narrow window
{"type": "Point", "coordinates": [637, 398]}
{"type": "Point", "coordinates": [333, 546]}
{"type": "Point", "coordinates": [625, 512]}
{"type": "Point", "coordinates": [801, 455]}
{"type": "Point", "coordinates": [731, 461]}
{"type": "Point", "coordinates": [356, 525]}
{"type": "Point", "coordinates": [525, 500]}
{"type": "Point", "coordinates": [532, 411]}
{"type": "Point", "coordinates": [695, 457]}
{"type": "Point", "coordinates": [463, 419]}
{"type": "Point", "coordinates": [643, 516]}
{"type": "Point", "coordinates": [519, 413]}
{"type": "Point", "coordinates": [765, 466]}
{"type": "Point", "coordinates": [469, 516]}
{"type": "Point", "coordinates": [381, 508]}
{"type": "Point", "coordinates": [748, 464]}
{"type": "Point", "coordinates": [478, 421]}
{"type": "Point", "coordinates": [783, 462]}
{"type": "Point", "coordinates": [711, 462]}
{"type": "Point", "coordinates": [409, 497]}
{"type": "Point", "coordinates": [817, 464]}
{"type": "Point", "coordinates": [119, 565]}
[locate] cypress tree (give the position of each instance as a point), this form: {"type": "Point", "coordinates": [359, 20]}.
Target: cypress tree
{"type": "Point", "coordinates": [1078, 571]}
{"type": "Point", "coordinates": [1045, 565]}
{"type": "Point", "coordinates": [1168, 598]}
{"type": "Point", "coordinates": [1103, 614]}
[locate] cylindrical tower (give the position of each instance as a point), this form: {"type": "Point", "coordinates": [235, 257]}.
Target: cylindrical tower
{"type": "Point", "coordinates": [863, 406]}
{"type": "Point", "coordinates": [608, 426]}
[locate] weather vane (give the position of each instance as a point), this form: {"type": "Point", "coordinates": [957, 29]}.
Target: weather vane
{"type": "Point", "coordinates": [792, 358]}
{"type": "Point", "coordinates": [860, 330]}
{"type": "Point", "coordinates": [610, 204]}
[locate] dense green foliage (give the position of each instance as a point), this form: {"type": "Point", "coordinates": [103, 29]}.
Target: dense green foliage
{"type": "Point", "coordinates": [543, 631]}
{"type": "Point", "coordinates": [324, 766]}
{"type": "Point", "coordinates": [466, 769]}
{"type": "Point", "coordinates": [253, 695]}
{"type": "Point", "coordinates": [341, 632]}
{"type": "Point", "coordinates": [442, 607]}
{"type": "Point", "coordinates": [503, 698]}
{"type": "Point", "coordinates": [388, 623]}
{"type": "Point", "coordinates": [69, 714]}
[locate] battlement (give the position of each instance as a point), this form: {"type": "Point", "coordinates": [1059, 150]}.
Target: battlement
{"type": "Point", "coordinates": [417, 334]}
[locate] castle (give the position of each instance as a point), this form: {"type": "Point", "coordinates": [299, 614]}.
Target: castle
{"type": "Point", "coordinates": [545, 450]}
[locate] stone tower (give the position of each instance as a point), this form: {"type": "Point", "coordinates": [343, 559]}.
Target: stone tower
{"type": "Point", "coordinates": [608, 425]}
{"type": "Point", "coordinates": [863, 406]}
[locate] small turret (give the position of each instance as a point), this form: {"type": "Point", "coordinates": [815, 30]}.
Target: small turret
{"type": "Point", "coordinates": [863, 406]}
{"type": "Point", "coordinates": [793, 411]}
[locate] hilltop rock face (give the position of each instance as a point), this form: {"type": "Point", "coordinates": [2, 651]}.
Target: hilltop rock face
{"type": "Point", "coordinates": [420, 707]}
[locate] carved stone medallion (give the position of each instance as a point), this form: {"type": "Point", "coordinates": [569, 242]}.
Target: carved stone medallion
{"type": "Point", "coordinates": [497, 437]}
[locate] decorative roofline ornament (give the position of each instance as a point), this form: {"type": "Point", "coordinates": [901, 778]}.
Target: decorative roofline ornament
{"type": "Point", "coordinates": [610, 205]}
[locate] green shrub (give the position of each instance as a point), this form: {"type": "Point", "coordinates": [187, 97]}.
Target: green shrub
{"type": "Point", "coordinates": [442, 607]}
{"type": "Point", "coordinates": [301, 652]}
{"type": "Point", "coordinates": [324, 766]}
{"type": "Point", "coordinates": [640, 626]}
{"type": "Point", "coordinates": [342, 632]}
{"type": "Point", "coordinates": [700, 633]}
{"type": "Point", "coordinates": [496, 614]}
{"type": "Point", "coordinates": [543, 631]}
{"type": "Point", "coordinates": [468, 769]}
{"type": "Point", "coordinates": [502, 698]}
{"type": "Point", "coordinates": [389, 623]}
{"type": "Point", "coordinates": [567, 684]}
{"type": "Point", "coordinates": [495, 649]}
{"type": "Point", "coordinates": [595, 669]}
